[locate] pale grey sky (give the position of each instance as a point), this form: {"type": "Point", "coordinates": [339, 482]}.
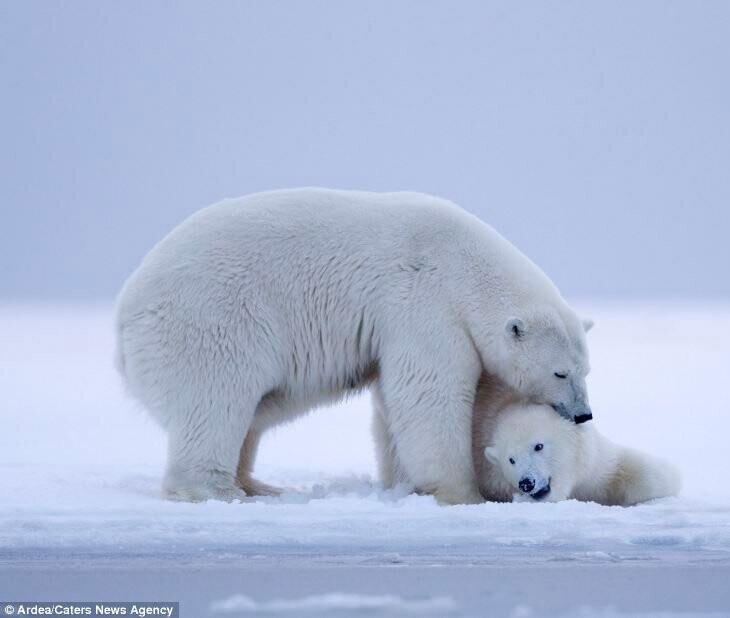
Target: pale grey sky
{"type": "Point", "coordinates": [595, 136]}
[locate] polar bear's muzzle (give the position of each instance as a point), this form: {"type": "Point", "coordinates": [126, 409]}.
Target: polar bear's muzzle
{"type": "Point", "coordinates": [527, 486]}
{"type": "Point", "coordinates": [579, 413]}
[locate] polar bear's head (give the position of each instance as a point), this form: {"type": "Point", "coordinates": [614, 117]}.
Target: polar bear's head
{"type": "Point", "coordinates": [544, 358]}
{"type": "Point", "coordinates": [534, 449]}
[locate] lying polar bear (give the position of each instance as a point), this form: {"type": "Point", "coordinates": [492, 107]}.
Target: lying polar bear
{"type": "Point", "coordinates": [524, 451]}
{"type": "Point", "coordinates": [537, 455]}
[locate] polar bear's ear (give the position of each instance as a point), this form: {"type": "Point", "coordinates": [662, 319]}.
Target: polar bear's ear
{"type": "Point", "coordinates": [491, 454]}
{"type": "Point", "coordinates": [587, 325]}
{"type": "Point", "coordinates": [516, 328]}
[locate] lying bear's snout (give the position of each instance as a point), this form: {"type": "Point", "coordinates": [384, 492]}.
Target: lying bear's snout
{"type": "Point", "coordinates": [582, 418]}
{"type": "Point", "coordinates": [540, 494]}
{"type": "Point", "coordinates": [526, 485]}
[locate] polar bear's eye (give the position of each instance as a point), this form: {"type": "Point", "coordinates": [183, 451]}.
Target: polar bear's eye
{"type": "Point", "coordinates": [539, 447]}
{"type": "Point", "coordinates": [512, 461]}
{"type": "Point", "coordinates": [560, 375]}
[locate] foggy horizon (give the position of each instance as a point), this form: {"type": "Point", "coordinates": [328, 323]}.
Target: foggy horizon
{"type": "Point", "coordinates": [596, 138]}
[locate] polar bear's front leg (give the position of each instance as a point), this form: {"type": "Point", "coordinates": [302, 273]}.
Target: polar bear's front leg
{"type": "Point", "coordinates": [428, 398]}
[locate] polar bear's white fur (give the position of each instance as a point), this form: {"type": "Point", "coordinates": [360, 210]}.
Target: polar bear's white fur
{"type": "Point", "coordinates": [524, 451]}
{"type": "Point", "coordinates": [255, 310]}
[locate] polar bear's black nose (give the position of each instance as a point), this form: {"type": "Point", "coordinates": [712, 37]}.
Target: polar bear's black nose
{"type": "Point", "coordinates": [527, 485]}
{"type": "Point", "coordinates": [582, 418]}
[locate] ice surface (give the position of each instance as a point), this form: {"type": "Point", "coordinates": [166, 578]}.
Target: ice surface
{"type": "Point", "coordinates": [80, 465]}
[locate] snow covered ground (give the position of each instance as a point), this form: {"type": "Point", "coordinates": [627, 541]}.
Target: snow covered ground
{"type": "Point", "coordinates": [80, 517]}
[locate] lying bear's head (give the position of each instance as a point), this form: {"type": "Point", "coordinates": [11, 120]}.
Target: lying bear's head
{"type": "Point", "coordinates": [535, 451]}
{"type": "Point", "coordinates": [545, 359]}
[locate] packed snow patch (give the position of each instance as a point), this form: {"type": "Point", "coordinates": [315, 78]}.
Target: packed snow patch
{"type": "Point", "coordinates": [336, 603]}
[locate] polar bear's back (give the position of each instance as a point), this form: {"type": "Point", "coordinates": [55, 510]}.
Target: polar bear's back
{"type": "Point", "coordinates": [260, 238]}
{"type": "Point", "coordinates": [336, 220]}
{"type": "Point", "coordinates": [254, 236]}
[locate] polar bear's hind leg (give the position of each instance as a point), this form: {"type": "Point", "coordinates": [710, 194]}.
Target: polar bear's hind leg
{"type": "Point", "coordinates": [390, 470]}
{"type": "Point", "coordinates": [203, 454]}
{"type": "Point", "coordinates": [244, 480]}
{"type": "Point", "coordinates": [640, 477]}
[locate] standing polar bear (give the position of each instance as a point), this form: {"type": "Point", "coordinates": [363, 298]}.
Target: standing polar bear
{"type": "Point", "coordinates": [255, 310]}
{"type": "Point", "coordinates": [524, 451]}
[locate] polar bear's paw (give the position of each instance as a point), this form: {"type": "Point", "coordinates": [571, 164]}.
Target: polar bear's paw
{"type": "Point", "coordinates": [448, 498]}
{"type": "Point", "coordinates": [201, 494]}
{"type": "Point", "coordinates": [209, 486]}
{"type": "Point", "coordinates": [253, 487]}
